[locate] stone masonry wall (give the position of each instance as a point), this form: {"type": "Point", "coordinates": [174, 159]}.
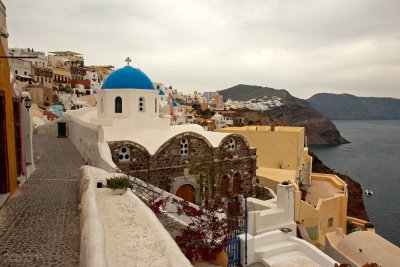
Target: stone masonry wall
{"type": "Point", "coordinates": [212, 163]}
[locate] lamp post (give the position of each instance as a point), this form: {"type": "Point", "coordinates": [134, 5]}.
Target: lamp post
{"type": "Point", "coordinates": [28, 102]}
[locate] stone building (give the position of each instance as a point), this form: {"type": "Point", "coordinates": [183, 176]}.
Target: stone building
{"type": "Point", "coordinates": [184, 160]}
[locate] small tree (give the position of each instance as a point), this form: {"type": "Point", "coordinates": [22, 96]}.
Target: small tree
{"type": "Point", "coordinates": [207, 233]}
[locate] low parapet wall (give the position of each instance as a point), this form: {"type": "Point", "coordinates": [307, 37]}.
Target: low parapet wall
{"type": "Point", "coordinates": [331, 178]}
{"type": "Point", "coordinates": [94, 237]}
{"type": "Point", "coordinates": [93, 241]}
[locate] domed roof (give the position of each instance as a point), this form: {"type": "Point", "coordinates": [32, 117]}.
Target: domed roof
{"type": "Point", "coordinates": [161, 92]}
{"type": "Point", "coordinates": [128, 78]}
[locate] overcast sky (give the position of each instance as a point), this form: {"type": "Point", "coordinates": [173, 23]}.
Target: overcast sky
{"type": "Point", "coordinates": [306, 47]}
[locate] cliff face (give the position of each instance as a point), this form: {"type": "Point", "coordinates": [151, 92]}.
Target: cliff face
{"type": "Point", "coordinates": [350, 107]}
{"type": "Point", "coordinates": [319, 130]}
{"type": "Point", "coordinates": [355, 206]}
{"type": "Point", "coordinates": [293, 112]}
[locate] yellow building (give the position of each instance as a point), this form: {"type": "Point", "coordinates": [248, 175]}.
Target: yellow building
{"type": "Point", "coordinates": [8, 163]}
{"type": "Point", "coordinates": [281, 156]}
{"type": "Point", "coordinates": [61, 75]}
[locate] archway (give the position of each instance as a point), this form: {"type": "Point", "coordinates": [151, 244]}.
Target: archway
{"type": "Point", "coordinates": [186, 192]}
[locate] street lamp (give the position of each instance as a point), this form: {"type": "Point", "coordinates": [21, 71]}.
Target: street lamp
{"type": "Point", "coordinates": [28, 102]}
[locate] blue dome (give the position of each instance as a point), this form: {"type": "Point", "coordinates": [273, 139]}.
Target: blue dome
{"type": "Point", "coordinates": [128, 78]}
{"type": "Point", "coordinates": [174, 103]}
{"type": "Point", "coordinates": [161, 92]}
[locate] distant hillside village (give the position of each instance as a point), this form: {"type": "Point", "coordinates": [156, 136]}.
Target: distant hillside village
{"type": "Point", "coordinates": [61, 81]}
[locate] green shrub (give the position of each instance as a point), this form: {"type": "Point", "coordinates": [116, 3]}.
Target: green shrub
{"type": "Point", "coordinates": [119, 182]}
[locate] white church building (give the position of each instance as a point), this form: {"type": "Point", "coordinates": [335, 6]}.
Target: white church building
{"type": "Point", "coordinates": [126, 132]}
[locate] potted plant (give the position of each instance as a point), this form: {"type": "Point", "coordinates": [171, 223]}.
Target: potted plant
{"type": "Point", "coordinates": [119, 184]}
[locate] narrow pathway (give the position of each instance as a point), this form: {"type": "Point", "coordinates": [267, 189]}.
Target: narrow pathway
{"type": "Point", "coordinates": [39, 226]}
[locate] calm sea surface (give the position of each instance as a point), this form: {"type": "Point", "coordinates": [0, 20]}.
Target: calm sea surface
{"type": "Point", "coordinates": [372, 159]}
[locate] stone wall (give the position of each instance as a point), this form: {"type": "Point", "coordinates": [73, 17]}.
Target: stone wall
{"type": "Point", "coordinates": [207, 163]}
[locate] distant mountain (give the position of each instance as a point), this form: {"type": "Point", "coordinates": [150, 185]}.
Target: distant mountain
{"type": "Point", "coordinates": [244, 92]}
{"type": "Point", "coordinates": [350, 107]}
{"type": "Point", "coordinates": [294, 112]}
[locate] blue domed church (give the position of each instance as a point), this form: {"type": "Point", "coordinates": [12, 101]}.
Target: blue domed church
{"type": "Point", "coordinates": [133, 136]}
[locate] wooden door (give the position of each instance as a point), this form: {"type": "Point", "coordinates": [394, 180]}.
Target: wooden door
{"type": "Point", "coordinates": [224, 186]}
{"type": "Point", "coordinates": [186, 192]}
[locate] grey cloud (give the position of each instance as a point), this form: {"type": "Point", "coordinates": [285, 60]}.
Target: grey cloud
{"type": "Point", "coordinates": [303, 46]}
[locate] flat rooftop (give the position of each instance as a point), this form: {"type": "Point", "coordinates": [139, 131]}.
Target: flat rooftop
{"type": "Point", "coordinates": [278, 175]}
{"type": "Point", "coordinates": [322, 189]}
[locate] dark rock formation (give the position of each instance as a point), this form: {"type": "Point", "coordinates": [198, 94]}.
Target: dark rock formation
{"type": "Point", "coordinates": [355, 207]}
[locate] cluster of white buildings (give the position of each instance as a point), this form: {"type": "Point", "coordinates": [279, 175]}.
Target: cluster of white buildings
{"type": "Point", "coordinates": [262, 104]}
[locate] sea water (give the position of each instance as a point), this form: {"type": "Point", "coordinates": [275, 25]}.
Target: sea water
{"type": "Point", "coordinates": [372, 159]}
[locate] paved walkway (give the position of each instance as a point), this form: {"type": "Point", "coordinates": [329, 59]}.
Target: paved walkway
{"type": "Point", "coordinates": [39, 226]}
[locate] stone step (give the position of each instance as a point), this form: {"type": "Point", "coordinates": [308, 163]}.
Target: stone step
{"type": "Point", "coordinates": [287, 256]}
{"type": "Point", "coordinates": [276, 248]}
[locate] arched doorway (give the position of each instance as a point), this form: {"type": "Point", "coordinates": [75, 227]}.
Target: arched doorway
{"type": "Point", "coordinates": [224, 186]}
{"type": "Point", "coordinates": [236, 184]}
{"type": "Point", "coordinates": [186, 192]}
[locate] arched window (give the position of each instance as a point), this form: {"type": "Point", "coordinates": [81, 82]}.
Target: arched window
{"type": "Point", "coordinates": [231, 144]}
{"type": "Point", "coordinates": [224, 186]}
{"type": "Point", "coordinates": [236, 184]}
{"type": "Point", "coordinates": [118, 104]}
{"type": "Point", "coordinates": [124, 154]}
{"type": "Point", "coordinates": [184, 146]}
{"type": "Point", "coordinates": [141, 104]}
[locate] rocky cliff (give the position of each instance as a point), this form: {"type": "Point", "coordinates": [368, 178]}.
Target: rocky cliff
{"type": "Point", "coordinates": [350, 107]}
{"type": "Point", "coordinates": [294, 112]}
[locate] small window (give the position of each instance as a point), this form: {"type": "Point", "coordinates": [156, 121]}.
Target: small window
{"type": "Point", "coordinates": [124, 154]}
{"type": "Point", "coordinates": [231, 144]}
{"type": "Point", "coordinates": [16, 72]}
{"type": "Point", "coordinates": [25, 73]}
{"type": "Point", "coordinates": [155, 105]}
{"type": "Point", "coordinates": [141, 104]}
{"type": "Point", "coordinates": [118, 104]}
{"type": "Point", "coordinates": [184, 146]}
{"type": "Point", "coordinates": [330, 222]}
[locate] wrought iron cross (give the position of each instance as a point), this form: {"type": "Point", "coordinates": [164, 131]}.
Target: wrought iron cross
{"type": "Point", "coordinates": [128, 60]}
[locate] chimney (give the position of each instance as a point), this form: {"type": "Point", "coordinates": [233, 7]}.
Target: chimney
{"type": "Point", "coordinates": [285, 199]}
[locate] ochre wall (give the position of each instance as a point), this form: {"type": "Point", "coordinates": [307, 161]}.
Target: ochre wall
{"type": "Point", "coordinates": [335, 207]}
{"type": "Point", "coordinates": [6, 87]}
{"type": "Point", "coordinates": [285, 144]}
